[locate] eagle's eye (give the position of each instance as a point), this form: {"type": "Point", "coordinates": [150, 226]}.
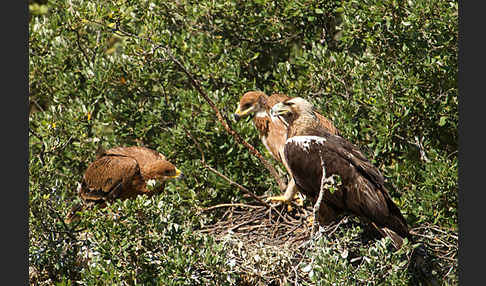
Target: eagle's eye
{"type": "Point", "coordinates": [288, 103]}
{"type": "Point", "coordinates": [246, 106]}
{"type": "Point", "coordinates": [167, 173]}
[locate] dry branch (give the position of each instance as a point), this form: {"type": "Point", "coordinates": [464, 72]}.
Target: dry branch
{"type": "Point", "coordinates": [317, 205]}
{"type": "Point", "coordinates": [264, 243]}
{"type": "Point", "coordinates": [228, 205]}
{"type": "Point", "coordinates": [195, 83]}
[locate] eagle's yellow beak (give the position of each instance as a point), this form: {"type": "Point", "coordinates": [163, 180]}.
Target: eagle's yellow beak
{"type": "Point", "coordinates": [239, 114]}
{"type": "Point", "coordinates": [178, 174]}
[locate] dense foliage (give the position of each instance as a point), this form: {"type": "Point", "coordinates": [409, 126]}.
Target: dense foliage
{"type": "Point", "coordinates": [385, 72]}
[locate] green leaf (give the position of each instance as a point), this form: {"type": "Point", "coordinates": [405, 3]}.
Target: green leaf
{"type": "Point", "coordinates": [442, 120]}
{"type": "Point", "coordinates": [339, 10]}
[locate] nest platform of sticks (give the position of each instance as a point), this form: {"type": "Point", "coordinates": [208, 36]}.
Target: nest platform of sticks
{"type": "Point", "coordinates": [267, 245]}
{"type": "Point", "coordinates": [266, 242]}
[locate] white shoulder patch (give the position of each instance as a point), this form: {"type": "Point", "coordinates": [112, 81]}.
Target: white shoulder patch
{"type": "Point", "coordinates": [305, 141]}
{"type": "Point", "coordinates": [262, 114]}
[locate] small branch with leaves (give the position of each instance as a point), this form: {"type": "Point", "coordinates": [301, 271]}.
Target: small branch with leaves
{"type": "Point", "coordinates": [231, 182]}
{"type": "Point", "coordinates": [224, 121]}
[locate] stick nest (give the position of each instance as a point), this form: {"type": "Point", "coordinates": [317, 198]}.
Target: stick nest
{"type": "Point", "coordinates": [266, 244]}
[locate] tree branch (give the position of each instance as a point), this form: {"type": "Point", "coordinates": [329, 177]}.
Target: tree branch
{"type": "Point", "coordinates": [231, 182]}
{"type": "Point", "coordinates": [195, 83]}
{"type": "Point", "coordinates": [317, 205]}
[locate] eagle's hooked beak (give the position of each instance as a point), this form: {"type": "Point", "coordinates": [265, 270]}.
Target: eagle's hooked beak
{"type": "Point", "coordinates": [237, 114]}
{"type": "Point", "coordinates": [240, 114]}
{"type": "Point", "coordinates": [178, 174]}
{"type": "Point", "coordinates": [277, 111]}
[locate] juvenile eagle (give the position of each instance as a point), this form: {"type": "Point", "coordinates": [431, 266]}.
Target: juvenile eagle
{"type": "Point", "coordinates": [123, 173]}
{"type": "Point", "coordinates": [273, 133]}
{"type": "Point", "coordinates": [362, 191]}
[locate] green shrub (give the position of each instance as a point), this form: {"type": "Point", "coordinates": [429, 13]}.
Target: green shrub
{"type": "Point", "coordinates": [384, 71]}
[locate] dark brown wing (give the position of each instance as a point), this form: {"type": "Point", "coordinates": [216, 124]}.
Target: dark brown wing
{"type": "Point", "coordinates": [362, 191]}
{"type": "Point", "coordinates": [110, 177]}
{"type": "Point", "coordinates": [349, 151]}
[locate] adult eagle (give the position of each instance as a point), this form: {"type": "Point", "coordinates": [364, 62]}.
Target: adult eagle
{"type": "Point", "coordinates": [310, 147]}
{"type": "Point", "coordinates": [123, 173]}
{"type": "Point", "coordinates": [273, 133]}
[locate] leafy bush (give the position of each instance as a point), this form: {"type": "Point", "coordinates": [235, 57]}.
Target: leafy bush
{"type": "Point", "coordinates": [99, 73]}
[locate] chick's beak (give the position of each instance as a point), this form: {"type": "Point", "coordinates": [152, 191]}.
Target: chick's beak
{"type": "Point", "coordinates": [179, 175]}
{"type": "Point", "coordinates": [237, 114]}
{"type": "Point", "coordinates": [277, 110]}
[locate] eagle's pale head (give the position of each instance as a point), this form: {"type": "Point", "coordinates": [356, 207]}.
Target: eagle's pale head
{"type": "Point", "coordinates": [290, 109]}
{"type": "Point", "coordinates": [250, 103]}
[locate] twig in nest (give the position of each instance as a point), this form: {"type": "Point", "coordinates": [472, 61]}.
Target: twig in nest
{"type": "Point", "coordinates": [243, 223]}
{"type": "Point", "coordinates": [336, 226]}
{"type": "Point", "coordinates": [229, 205]}
{"type": "Point", "coordinates": [290, 231]}
{"type": "Point", "coordinates": [252, 230]}
{"type": "Point", "coordinates": [203, 160]}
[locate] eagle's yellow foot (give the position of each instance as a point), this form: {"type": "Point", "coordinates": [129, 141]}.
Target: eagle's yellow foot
{"type": "Point", "coordinates": [299, 201]}
{"type": "Point", "coordinates": [310, 220]}
{"type": "Point", "coordinates": [283, 199]}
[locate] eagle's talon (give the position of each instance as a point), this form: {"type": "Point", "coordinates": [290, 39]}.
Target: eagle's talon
{"type": "Point", "coordinates": [310, 221]}
{"type": "Point", "coordinates": [277, 199]}
{"type": "Point", "coordinates": [299, 201]}
{"type": "Point", "coordinates": [282, 199]}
